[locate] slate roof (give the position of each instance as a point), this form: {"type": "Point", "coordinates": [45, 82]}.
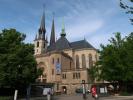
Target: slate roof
{"type": "Point", "coordinates": [62, 43]}
{"type": "Point", "coordinates": [81, 44]}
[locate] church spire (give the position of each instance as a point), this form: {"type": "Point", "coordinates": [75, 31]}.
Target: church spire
{"type": "Point", "coordinates": [63, 33]}
{"type": "Point", "coordinates": [42, 29]}
{"type": "Point", "coordinates": [52, 38]}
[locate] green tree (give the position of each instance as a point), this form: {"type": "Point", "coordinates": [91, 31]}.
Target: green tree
{"type": "Point", "coordinates": [116, 60]}
{"type": "Point", "coordinates": [127, 5]}
{"type": "Point", "coordinates": [94, 73]}
{"type": "Point", "coordinates": [17, 63]}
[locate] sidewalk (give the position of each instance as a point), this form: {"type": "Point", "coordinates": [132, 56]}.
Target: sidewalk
{"type": "Point", "coordinates": [117, 98]}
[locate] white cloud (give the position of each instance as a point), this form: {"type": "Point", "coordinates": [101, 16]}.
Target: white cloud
{"type": "Point", "coordinates": [82, 29]}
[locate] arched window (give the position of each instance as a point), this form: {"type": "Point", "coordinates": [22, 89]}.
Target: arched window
{"type": "Point", "coordinates": [77, 61]}
{"type": "Point", "coordinates": [37, 44]}
{"type": "Point", "coordinates": [58, 60]}
{"type": "Point", "coordinates": [90, 60]}
{"type": "Point", "coordinates": [52, 60]}
{"type": "Point", "coordinates": [83, 61]}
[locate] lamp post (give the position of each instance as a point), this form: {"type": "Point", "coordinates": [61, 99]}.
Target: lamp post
{"type": "Point", "coordinates": [84, 90]}
{"type": "Point", "coordinates": [16, 91]}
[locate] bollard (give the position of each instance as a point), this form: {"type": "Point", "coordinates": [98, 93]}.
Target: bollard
{"type": "Point", "coordinates": [48, 96]}
{"type": "Point", "coordinates": [15, 94]}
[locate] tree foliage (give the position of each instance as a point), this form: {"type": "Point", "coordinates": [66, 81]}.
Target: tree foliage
{"type": "Point", "coordinates": [116, 60]}
{"type": "Point", "coordinates": [127, 5]}
{"type": "Point", "coordinates": [17, 63]}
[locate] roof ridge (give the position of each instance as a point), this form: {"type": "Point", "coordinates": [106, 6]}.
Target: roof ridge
{"type": "Point", "coordinates": [77, 41]}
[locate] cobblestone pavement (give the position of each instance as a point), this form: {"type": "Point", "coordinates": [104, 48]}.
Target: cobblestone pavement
{"type": "Point", "coordinates": [79, 97]}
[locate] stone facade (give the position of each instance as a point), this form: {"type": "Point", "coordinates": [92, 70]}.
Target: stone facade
{"type": "Point", "coordinates": [64, 63]}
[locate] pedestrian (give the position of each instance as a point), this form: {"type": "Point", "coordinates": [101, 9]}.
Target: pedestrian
{"type": "Point", "coordinates": [94, 92]}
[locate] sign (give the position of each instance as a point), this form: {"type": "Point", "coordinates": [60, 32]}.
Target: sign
{"type": "Point", "coordinates": [58, 68]}
{"type": "Point", "coordinates": [102, 90]}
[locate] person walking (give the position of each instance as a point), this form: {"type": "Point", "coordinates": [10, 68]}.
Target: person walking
{"type": "Point", "coordinates": [94, 92]}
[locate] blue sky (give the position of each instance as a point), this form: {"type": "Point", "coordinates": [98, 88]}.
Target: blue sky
{"type": "Point", "coordinates": [95, 20]}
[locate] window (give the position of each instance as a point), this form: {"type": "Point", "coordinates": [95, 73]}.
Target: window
{"type": "Point", "coordinates": [63, 76]}
{"type": "Point", "coordinates": [90, 61]}
{"type": "Point", "coordinates": [77, 62]}
{"type": "Point", "coordinates": [76, 75]}
{"type": "Point", "coordinates": [70, 65]}
{"type": "Point", "coordinates": [73, 75]}
{"type": "Point", "coordinates": [53, 61]}
{"type": "Point", "coordinates": [57, 86]}
{"type": "Point", "coordinates": [58, 60]}
{"type": "Point", "coordinates": [37, 44]}
{"type": "Point", "coordinates": [52, 71]}
{"type": "Point", "coordinates": [83, 61]}
{"type": "Point", "coordinates": [79, 75]}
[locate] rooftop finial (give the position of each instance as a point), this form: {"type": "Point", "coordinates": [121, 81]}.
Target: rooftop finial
{"type": "Point", "coordinates": [63, 29]}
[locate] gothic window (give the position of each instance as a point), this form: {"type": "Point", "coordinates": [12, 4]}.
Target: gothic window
{"type": "Point", "coordinates": [70, 64]}
{"type": "Point", "coordinates": [73, 75]}
{"type": "Point", "coordinates": [58, 60]}
{"type": "Point", "coordinates": [79, 75]}
{"type": "Point", "coordinates": [37, 44]}
{"type": "Point", "coordinates": [52, 71]}
{"type": "Point", "coordinates": [77, 62]}
{"type": "Point", "coordinates": [52, 60]}
{"type": "Point", "coordinates": [90, 60]}
{"type": "Point", "coordinates": [64, 76]}
{"type": "Point", "coordinates": [76, 75]}
{"type": "Point", "coordinates": [83, 61]}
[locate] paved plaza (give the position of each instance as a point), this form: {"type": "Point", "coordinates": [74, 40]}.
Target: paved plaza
{"type": "Point", "coordinates": [79, 97]}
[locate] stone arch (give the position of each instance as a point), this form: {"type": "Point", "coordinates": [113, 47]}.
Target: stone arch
{"type": "Point", "coordinates": [41, 65]}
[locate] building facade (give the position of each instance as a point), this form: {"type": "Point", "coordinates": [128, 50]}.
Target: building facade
{"type": "Point", "coordinates": [64, 63]}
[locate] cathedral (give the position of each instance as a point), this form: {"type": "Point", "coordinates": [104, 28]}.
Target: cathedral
{"type": "Point", "coordinates": [64, 63]}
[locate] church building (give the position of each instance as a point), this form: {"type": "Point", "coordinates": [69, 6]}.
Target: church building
{"type": "Point", "coordinates": [64, 63]}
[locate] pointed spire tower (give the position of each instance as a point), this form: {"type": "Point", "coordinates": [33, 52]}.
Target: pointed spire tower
{"type": "Point", "coordinates": [52, 38]}
{"type": "Point", "coordinates": [42, 29]}
{"type": "Point", "coordinates": [40, 39]}
{"type": "Point", "coordinates": [63, 33]}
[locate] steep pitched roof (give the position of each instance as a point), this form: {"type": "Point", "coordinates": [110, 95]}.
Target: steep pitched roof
{"type": "Point", "coordinates": [81, 44]}
{"type": "Point", "coordinates": [62, 43]}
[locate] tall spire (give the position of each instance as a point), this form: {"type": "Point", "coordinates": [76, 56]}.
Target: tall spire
{"type": "Point", "coordinates": [42, 29]}
{"type": "Point", "coordinates": [52, 38]}
{"type": "Point", "coordinates": [63, 33]}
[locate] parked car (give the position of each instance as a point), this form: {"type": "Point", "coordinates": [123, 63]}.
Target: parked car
{"type": "Point", "coordinates": [80, 90]}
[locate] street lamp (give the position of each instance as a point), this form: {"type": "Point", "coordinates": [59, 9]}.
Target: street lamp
{"type": "Point", "coordinates": [18, 72]}
{"type": "Point", "coordinates": [84, 90]}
